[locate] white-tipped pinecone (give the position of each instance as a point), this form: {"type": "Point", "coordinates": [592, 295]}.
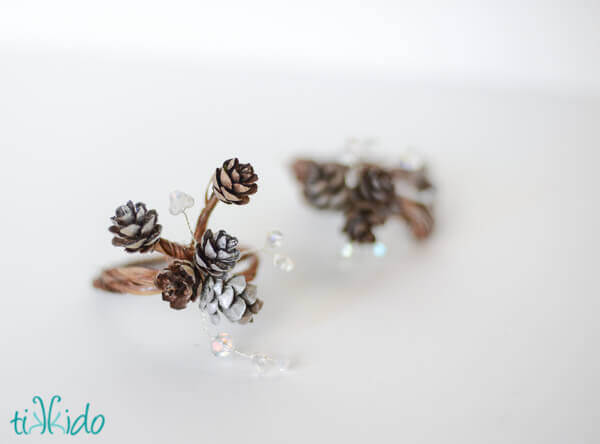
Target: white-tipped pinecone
{"type": "Point", "coordinates": [217, 254]}
{"type": "Point", "coordinates": [135, 227]}
{"type": "Point", "coordinates": [325, 185]}
{"type": "Point", "coordinates": [375, 185]}
{"type": "Point", "coordinates": [232, 297]}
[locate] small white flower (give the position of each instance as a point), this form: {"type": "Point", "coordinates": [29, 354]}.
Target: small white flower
{"type": "Point", "coordinates": [179, 202]}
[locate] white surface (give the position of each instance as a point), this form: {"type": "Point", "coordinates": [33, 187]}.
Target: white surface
{"type": "Point", "coordinates": [486, 333]}
{"type": "Point", "coordinates": [537, 44]}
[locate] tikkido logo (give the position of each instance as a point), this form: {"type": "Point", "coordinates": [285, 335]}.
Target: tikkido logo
{"type": "Point", "coordinates": [48, 418]}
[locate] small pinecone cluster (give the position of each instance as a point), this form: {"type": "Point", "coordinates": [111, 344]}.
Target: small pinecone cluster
{"type": "Point", "coordinates": [206, 276]}
{"type": "Point", "coordinates": [216, 256]}
{"type": "Point", "coordinates": [366, 194]}
{"type": "Point", "coordinates": [232, 297]}
{"type": "Point", "coordinates": [234, 182]}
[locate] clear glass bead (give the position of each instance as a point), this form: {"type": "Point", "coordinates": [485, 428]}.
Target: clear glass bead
{"type": "Point", "coordinates": [352, 177]}
{"type": "Point", "coordinates": [282, 364]}
{"type": "Point", "coordinates": [411, 160]}
{"type": "Point", "coordinates": [379, 249]}
{"type": "Point", "coordinates": [261, 362]}
{"type": "Point", "coordinates": [350, 152]}
{"type": "Point", "coordinates": [282, 262]}
{"type": "Point", "coordinates": [347, 250]}
{"type": "Point", "coordinates": [267, 365]}
{"type": "Point", "coordinates": [179, 202]}
{"type": "Point", "coordinates": [221, 345]}
{"type": "Point", "coordinates": [274, 239]}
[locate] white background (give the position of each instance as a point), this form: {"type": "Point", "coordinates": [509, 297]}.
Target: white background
{"type": "Point", "coordinates": [488, 332]}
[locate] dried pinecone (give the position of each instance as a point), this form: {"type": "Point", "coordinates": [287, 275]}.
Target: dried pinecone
{"type": "Point", "coordinates": [234, 182]}
{"type": "Point", "coordinates": [325, 184]}
{"type": "Point", "coordinates": [218, 254]}
{"type": "Point", "coordinates": [375, 185]}
{"type": "Point", "coordinates": [135, 227]}
{"type": "Point", "coordinates": [233, 297]}
{"type": "Point", "coordinates": [179, 283]}
{"type": "Point", "coordinates": [360, 222]}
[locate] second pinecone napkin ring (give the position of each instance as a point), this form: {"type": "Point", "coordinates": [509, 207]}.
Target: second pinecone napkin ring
{"type": "Point", "coordinates": [369, 195]}
{"type": "Point", "coordinates": [203, 270]}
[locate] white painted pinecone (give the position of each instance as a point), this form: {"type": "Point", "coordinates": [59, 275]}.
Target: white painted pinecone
{"type": "Point", "coordinates": [232, 297]}
{"type": "Point", "coordinates": [325, 185]}
{"type": "Point", "coordinates": [135, 228]}
{"type": "Point", "coordinates": [217, 253]}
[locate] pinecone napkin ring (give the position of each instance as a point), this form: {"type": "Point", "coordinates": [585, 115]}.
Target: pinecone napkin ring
{"type": "Point", "coordinates": [369, 194]}
{"type": "Point", "coordinates": [203, 270]}
{"type": "Point", "coordinates": [206, 269]}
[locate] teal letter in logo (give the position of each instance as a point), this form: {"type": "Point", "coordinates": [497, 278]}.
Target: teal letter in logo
{"type": "Point", "coordinates": [40, 423]}
{"type": "Point", "coordinates": [97, 417]}
{"type": "Point", "coordinates": [52, 421]}
{"type": "Point", "coordinates": [16, 421]}
{"type": "Point", "coordinates": [83, 418]}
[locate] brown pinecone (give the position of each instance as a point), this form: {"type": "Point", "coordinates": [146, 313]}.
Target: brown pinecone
{"type": "Point", "coordinates": [234, 182]}
{"type": "Point", "coordinates": [233, 297]}
{"type": "Point", "coordinates": [179, 283]}
{"type": "Point", "coordinates": [135, 227]}
{"type": "Point", "coordinates": [360, 222]}
{"type": "Point", "coordinates": [217, 254]}
{"type": "Point", "coordinates": [375, 185]}
{"type": "Point", "coordinates": [325, 184]}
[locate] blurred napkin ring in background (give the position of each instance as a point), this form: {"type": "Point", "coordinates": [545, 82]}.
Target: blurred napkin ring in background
{"type": "Point", "coordinates": [369, 194]}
